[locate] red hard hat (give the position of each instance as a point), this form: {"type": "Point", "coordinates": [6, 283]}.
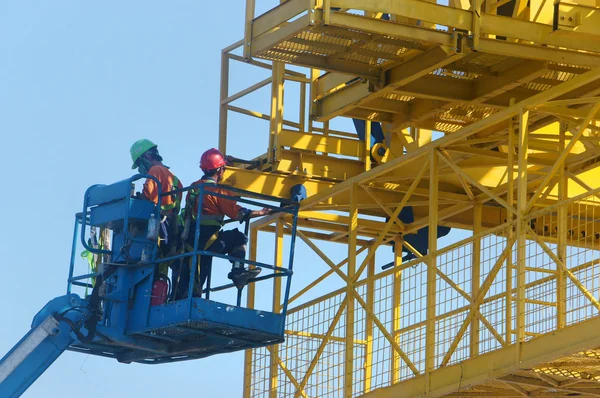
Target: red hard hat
{"type": "Point", "coordinates": [212, 159]}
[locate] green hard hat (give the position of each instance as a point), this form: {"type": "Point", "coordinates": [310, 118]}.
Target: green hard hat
{"type": "Point", "coordinates": [138, 149]}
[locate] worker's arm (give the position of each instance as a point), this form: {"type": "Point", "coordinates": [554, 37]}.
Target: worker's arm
{"type": "Point", "coordinates": [259, 213]}
{"type": "Point", "coordinates": [232, 210]}
{"type": "Point", "coordinates": [150, 190]}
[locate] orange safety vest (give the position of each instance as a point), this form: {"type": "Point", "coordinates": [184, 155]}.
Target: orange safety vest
{"type": "Point", "coordinates": [214, 208]}
{"type": "Point", "coordinates": [168, 182]}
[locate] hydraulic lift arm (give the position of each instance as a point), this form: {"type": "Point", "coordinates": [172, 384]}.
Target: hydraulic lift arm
{"type": "Point", "coordinates": [54, 328]}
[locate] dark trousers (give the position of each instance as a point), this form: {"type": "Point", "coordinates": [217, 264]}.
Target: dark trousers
{"type": "Point", "coordinates": [228, 242]}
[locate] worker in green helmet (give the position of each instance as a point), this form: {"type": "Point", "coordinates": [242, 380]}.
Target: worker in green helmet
{"type": "Point", "coordinates": [145, 157]}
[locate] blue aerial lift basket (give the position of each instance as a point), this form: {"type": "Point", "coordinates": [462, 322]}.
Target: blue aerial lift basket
{"type": "Point", "coordinates": [118, 320]}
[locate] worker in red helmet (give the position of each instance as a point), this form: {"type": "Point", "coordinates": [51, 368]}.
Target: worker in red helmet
{"type": "Point", "coordinates": [212, 238]}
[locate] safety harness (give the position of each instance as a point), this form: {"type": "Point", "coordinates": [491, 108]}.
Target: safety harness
{"type": "Point", "coordinates": [215, 220]}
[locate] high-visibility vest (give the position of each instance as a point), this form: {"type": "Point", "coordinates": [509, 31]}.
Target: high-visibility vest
{"type": "Point", "coordinates": [206, 219]}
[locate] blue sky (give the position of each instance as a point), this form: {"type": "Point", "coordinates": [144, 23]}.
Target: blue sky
{"type": "Point", "coordinates": [79, 83]}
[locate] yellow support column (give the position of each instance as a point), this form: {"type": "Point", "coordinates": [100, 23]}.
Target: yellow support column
{"type": "Point", "coordinates": [476, 269]}
{"type": "Point", "coordinates": [314, 74]}
{"type": "Point", "coordinates": [223, 106]}
{"type": "Point", "coordinates": [396, 303]}
{"type": "Point", "coordinates": [278, 261]}
{"type": "Point", "coordinates": [562, 230]}
{"type": "Point", "coordinates": [276, 122]}
{"type": "Point", "coordinates": [369, 323]}
{"type": "Point", "coordinates": [430, 339]}
{"type": "Point", "coordinates": [367, 145]}
{"type": "Point", "coordinates": [510, 185]}
{"type": "Point", "coordinates": [250, 9]}
{"type": "Point", "coordinates": [349, 351]}
{"type": "Point", "coordinates": [521, 225]}
{"type": "Point", "coordinates": [250, 304]}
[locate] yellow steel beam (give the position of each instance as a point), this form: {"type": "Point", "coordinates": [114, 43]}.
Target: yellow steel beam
{"type": "Point", "coordinates": [368, 367]}
{"type": "Point", "coordinates": [465, 132]}
{"type": "Point", "coordinates": [276, 122]}
{"type": "Point", "coordinates": [224, 93]}
{"type": "Point", "coordinates": [396, 307]}
{"type": "Point", "coordinates": [475, 276]}
{"type": "Point", "coordinates": [450, 196]}
{"type": "Point", "coordinates": [391, 221]}
{"type": "Point", "coordinates": [539, 53]}
{"type": "Point", "coordinates": [319, 62]}
{"type": "Point", "coordinates": [398, 76]}
{"type": "Point", "coordinates": [271, 39]}
{"type": "Point", "coordinates": [521, 220]}
{"type": "Point", "coordinates": [274, 350]}
{"type": "Point", "coordinates": [331, 81]}
{"type": "Point", "coordinates": [463, 20]}
{"type": "Point", "coordinates": [473, 310]}
{"type": "Point", "coordinates": [249, 16]}
{"type": "Point", "coordinates": [345, 220]}
{"type": "Point", "coordinates": [250, 295]}
{"type": "Point", "coordinates": [436, 94]}
{"type": "Point", "coordinates": [578, 20]}
{"type": "Point", "coordinates": [562, 156]}
{"type": "Point", "coordinates": [510, 199]}
{"type": "Point", "coordinates": [418, 67]}
{"type": "Point", "coordinates": [352, 94]}
{"type": "Point", "coordinates": [479, 186]}
{"type": "Point", "coordinates": [491, 329]}
{"type": "Point", "coordinates": [323, 256]}
{"type": "Point", "coordinates": [441, 274]}
{"type": "Point", "coordinates": [322, 143]}
{"type": "Point", "coordinates": [386, 105]}
{"type": "Point", "coordinates": [580, 113]}
{"type": "Point", "coordinates": [246, 91]}
{"type": "Point", "coordinates": [321, 336]}
{"type": "Point", "coordinates": [420, 10]}
{"type": "Point", "coordinates": [351, 269]}
{"type": "Point", "coordinates": [561, 285]}
{"type": "Point", "coordinates": [430, 346]}
{"type": "Point", "coordinates": [531, 382]}
{"type": "Point", "coordinates": [277, 16]}
{"type": "Point", "coordinates": [384, 207]}
{"type": "Point", "coordinates": [302, 163]}
{"type": "Point", "coordinates": [322, 277]}
{"type": "Point", "coordinates": [533, 159]}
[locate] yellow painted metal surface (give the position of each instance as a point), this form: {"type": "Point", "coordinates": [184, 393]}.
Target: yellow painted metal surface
{"type": "Point", "coordinates": [490, 112]}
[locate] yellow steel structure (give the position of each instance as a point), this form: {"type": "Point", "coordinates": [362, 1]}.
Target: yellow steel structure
{"type": "Point", "coordinates": [514, 87]}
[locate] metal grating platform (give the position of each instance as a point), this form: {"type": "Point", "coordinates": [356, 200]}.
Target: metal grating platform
{"type": "Point", "coordinates": [425, 69]}
{"type": "Point", "coordinates": [211, 328]}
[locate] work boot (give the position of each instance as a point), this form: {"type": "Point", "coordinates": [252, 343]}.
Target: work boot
{"type": "Point", "coordinates": [241, 276]}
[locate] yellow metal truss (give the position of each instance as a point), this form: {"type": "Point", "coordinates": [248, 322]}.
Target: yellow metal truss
{"type": "Point", "coordinates": [514, 88]}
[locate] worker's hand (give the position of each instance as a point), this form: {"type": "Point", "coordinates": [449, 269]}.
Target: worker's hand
{"type": "Point", "coordinates": [265, 211]}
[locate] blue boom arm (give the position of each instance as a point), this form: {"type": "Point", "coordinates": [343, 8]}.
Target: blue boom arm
{"type": "Point", "coordinates": [53, 329]}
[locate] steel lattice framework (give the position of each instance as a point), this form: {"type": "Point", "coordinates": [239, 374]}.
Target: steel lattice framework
{"type": "Point", "coordinates": [514, 86]}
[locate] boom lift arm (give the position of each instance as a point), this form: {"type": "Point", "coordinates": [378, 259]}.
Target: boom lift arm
{"type": "Point", "coordinates": [122, 318]}
{"type": "Point", "coordinates": [53, 330]}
